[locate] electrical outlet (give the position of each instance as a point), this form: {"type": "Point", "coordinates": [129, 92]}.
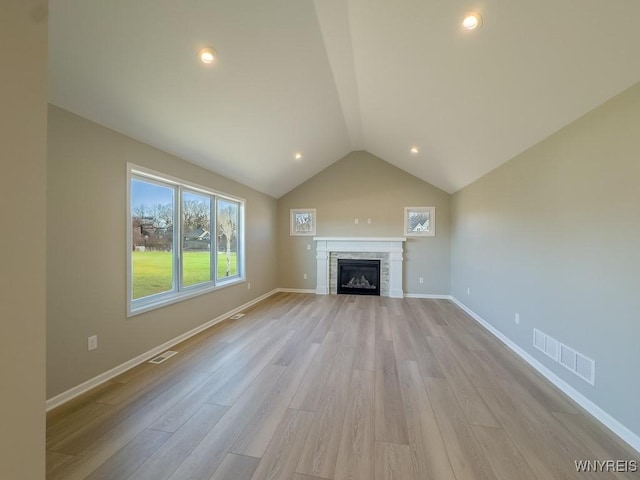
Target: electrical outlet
{"type": "Point", "coordinates": [248, 285]}
{"type": "Point", "coordinates": [421, 280]}
{"type": "Point", "coordinates": [92, 342]}
{"type": "Point", "coordinates": [304, 276]}
{"type": "Point", "coordinates": [468, 291]}
{"type": "Point", "coordinates": [369, 221]}
{"type": "Point", "coordinates": [356, 221]}
{"type": "Point", "coordinates": [308, 246]}
{"type": "Point", "coordinates": [517, 319]}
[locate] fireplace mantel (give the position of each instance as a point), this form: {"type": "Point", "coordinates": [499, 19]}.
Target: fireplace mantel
{"type": "Point", "coordinates": [393, 246]}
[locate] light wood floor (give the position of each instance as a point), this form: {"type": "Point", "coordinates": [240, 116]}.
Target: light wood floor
{"type": "Point", "coordinates": [311, 387]}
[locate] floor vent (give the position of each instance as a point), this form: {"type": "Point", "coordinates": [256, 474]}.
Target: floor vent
{"type": "Point", "coordinates": [566, 356]}
{"type": "Point", "coordinates": [163, 356]}
{"type": "Point", "coordinates": [236, 316]}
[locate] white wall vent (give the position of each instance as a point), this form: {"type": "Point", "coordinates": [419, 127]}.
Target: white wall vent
{"type": "Point", "coordinates": [546, 344]}
{"type": "Point", "coordinates": [573, 361]}
{"type": "Point", "coordinates": [539, 339]}
{"type": "Point", "coordinates": [568, 357]}
{"type": "Point", "coordinates": [163, 356]}
{"type": "Point", "coordinates": [551, 348]}
{"type": "Point", "coordinates": [586, 368]}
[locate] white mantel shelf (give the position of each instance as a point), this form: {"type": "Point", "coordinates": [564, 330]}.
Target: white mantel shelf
{"type": "Point", "coordinates": [362, 239]}
{"type": "Point", "coordinates": [391, 245]}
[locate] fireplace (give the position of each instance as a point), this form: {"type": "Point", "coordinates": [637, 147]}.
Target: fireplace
{"type": "Point", "coordinates": [386, 249]}
{"type": "Point", "coordinates": [358, 277]}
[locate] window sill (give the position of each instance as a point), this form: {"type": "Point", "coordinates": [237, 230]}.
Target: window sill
{"type": "Point", "coordinates": [136, 307]}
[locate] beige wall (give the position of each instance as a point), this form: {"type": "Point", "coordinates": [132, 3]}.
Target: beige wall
{"type": "Point", "coordinates": [363, 186]}
{"type": "Point", "coordinates": [23, 116]}
{"type": "Point", "coordinates": [553, 235]}
{"type": "Point", "coordinates": [86, 251]}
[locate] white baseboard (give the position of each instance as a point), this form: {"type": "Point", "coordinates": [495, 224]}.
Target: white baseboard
{"type": "Point", "coordinates": [427, 295]}
{"type": "Point", "coordinates": [607, 420]}
{"type": "Point", "coordinates": [114, 372]}
{"type": "Point", "coordinates": [297, 290]}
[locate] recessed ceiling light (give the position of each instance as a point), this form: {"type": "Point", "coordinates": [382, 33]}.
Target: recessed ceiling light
{"type": "Point", "coordinates": [207, 55]}
{"type": "Point", "coordinates": [414, 150]}
{"type": "Point", "coordinates": [298, 156]}
{"type": "Point", "coordinates": [472, 21]}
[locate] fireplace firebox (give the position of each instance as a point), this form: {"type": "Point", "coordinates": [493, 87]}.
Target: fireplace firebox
{"type": "Point", "coordinates": [358, 277]}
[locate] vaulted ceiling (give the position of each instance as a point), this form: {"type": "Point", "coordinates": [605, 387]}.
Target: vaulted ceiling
{"type": "Point", "coordinates": [327, 77]}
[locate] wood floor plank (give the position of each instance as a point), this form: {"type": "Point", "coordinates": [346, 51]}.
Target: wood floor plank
{"type": "Point", "coordinates": [424, 315]}
{"type": "Point", "coordinates": [466, 393]}
{"type": "Point", "coordinates": [57, 433]}
{"type": "Point", "coordinates": [511, 370]}
{"type": "Point", "coordinates": [101, 446]}
{"type": "Point", "coordinates": [67, 411]}
{"type": "Point", "coordinates": [365, 358]}
{"type": "Point", "coordinates": [299, 476]}
{"type": "Point", "coordinates": [310, 390]}
{"type": "Point", "coordinates": [224, 362]}
{"type": "Point", "coordinates": [183, 410]}
{"type": "Point", "coordinates": [255, 437]}
{"type": "Point", "coordinates": [236, 467]}
{"type": "Point", "coordinates": [461, 336]}
{"type": "Point", "coordinates": [391, 425]}
{"type": "Point", "coordinates": [55, 460]}
{"type": "Point", "coordinates": [546, 456]}
{"type": "Point", "coordinates": [299, 341]}
{"type": "Point", "coordinates": [467, 458]}
{"type": "Point", "coordinates": [602, 443]}
{"type": "Point", "coordinates": [330, 307]}
{"type": "Point", "coordinates": [191, 346]}
{"type": "Point", "coordinates": [205, 458]}
{"type": "Point", "coordinates": [505, 459]}
{"type": "Point", "coordinates": [248, 357]}
{"type": "Point", "coordinates": [163, 374]}
{"type": "Point", "coordinates": [77, 438]}
{"type": "Point", "coordinates": [383, 325]}
{"type": "Point", "coordinates": [352, 317]}
{"type": "Point", "coordinates": [233, 388]}
{"type": "Point", "coordinates": [357, 441]}
{"type": "Point", "coordinates": [280, 459]}
{"type": "Point", "coordinates": [400, 334]}
{"type": "Point", "coordinates": [473, 363]}
{"type": "Point", "coordinates": [541, 418]}
{"type": "Point", "coordinates": [428, 451]}
{"type": "Point", "coordinates": [131, 456]}
{"type": "Point", "coordinates": [172, 454]}
{"type": "Point", "coordinates": [393, 462]}
{"type": "Point", "coordinates": [426, 359]}
{"type": "Point", "coordinates": [321, 448]}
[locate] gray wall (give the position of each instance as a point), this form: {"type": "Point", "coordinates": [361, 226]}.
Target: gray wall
{"type": "Point", "coordinates": [23, 116]}
{"type": "Point", "coordinates": [86, 251]}
{"type": "Point", "coordinates": [363, 186]}
{"type": "Point", "coordinates": [553, 235]}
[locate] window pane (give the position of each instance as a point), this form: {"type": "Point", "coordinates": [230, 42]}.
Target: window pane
{"type": "Point", "coordinates": [196, 238]}
{"type": "Point", "coordinates": [152, 231]}
{"type": "Point", "coordinates": [228, 216]}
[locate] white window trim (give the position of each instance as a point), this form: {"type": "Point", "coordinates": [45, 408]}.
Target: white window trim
{"type": "Point", "coordinates": [151, 302]}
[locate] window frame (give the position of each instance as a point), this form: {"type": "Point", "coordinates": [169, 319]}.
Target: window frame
{"type": "Point", "coordinates": [179, 292]}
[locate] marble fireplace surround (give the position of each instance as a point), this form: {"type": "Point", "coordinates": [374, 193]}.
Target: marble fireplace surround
{"type": "Point", "coordinates": [387, 249]}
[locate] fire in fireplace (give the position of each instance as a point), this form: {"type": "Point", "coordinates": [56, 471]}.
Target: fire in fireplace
{"type": "Point", "coordinates": [358, 277]}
